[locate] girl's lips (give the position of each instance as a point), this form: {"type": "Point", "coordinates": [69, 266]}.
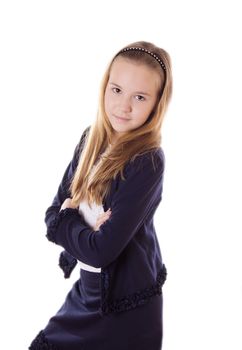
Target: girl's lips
{"type": "Point", "coordinates": [120, 118]}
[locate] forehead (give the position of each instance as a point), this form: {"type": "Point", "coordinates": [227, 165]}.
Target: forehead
{"type": "Point", "coordinates": [134, 75]}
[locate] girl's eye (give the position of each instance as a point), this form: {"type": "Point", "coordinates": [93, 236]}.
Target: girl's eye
{"type": "Point", "coordinates": [140, 98]}
{"type": "Point", "coordinates": [116, 90]}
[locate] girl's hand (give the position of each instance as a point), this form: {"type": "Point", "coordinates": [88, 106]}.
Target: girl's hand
{"type": "Point", "coordinates": [102, 218]}
{"type": "Point", "coordinates": [67, 204]}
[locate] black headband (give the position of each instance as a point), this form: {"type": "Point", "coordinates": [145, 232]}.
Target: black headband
{"type": "Point", "coordinates": [146, 51]}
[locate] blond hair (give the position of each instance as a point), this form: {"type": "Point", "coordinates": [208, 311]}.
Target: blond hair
{"type": "Point", "coordinates": [93, 182]}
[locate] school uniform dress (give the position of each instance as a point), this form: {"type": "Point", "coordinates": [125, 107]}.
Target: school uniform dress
{"type": "Point", "coordinates": [117, 301]}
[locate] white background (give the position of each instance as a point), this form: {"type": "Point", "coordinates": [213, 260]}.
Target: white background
{"type": "Point", "coordinates": [53, 55]}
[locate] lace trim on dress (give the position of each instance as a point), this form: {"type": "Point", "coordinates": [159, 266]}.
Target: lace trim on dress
{"type": "Point", "coordinates": [41, 343]}
{"type": "Point", "coordinates": [67, 263]}
{"type": "Point", "coordinates": [53, 225]}
{"type": "Point", "coordinates": [130, 301]}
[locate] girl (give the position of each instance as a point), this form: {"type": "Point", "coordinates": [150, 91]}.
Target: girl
{"type": "Point", "coordinates": [102, 214]}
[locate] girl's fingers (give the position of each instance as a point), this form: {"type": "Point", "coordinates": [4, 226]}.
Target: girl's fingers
{"type": "Point", "coordinates": [102, 218]}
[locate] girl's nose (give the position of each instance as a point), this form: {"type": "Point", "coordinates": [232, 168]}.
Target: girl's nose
{"type": "Point", "coordinates": [125, 105]}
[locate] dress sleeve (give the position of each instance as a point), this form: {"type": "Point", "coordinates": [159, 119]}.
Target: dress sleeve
{"type": "Point", "coordinates": [135, 198]}
{"type": "Point", "coordinates": [66, 261]}
{"type": "Point", "coordinates": [63, 189]}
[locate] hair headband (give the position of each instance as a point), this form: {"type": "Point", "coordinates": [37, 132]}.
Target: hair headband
{"type": "Point", "coordinates": [146, 51]}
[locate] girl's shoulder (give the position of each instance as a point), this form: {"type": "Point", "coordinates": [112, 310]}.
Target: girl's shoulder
{"type": "Point", "coordinates": [83, 137]}
{"type": "Point", "coordinates": [80, 145]}
{"type": "Point", "coordinates": [154, 154]}
{"type": "Point", "coordinates": [154, 157]}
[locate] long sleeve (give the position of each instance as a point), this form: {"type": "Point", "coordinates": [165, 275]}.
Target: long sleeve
{"type": "Point", "coordinates": [63, 189]}
{"type": "Point", "coordinates": [135, 198]}
{"type": "Point", "coordinates": [66, 261]}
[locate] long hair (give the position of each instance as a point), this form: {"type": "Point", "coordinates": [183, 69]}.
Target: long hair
{"type": "Point", "coordinates": [99, 164]}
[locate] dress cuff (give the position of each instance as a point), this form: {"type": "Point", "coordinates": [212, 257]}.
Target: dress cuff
{"type": "Point", "coordinates": [67, 263]}
{"type": "Point", "coordinates": [52, 228]}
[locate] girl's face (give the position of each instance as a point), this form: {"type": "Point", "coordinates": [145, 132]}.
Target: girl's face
{"type": "Point", "coordinates": [130, 95]}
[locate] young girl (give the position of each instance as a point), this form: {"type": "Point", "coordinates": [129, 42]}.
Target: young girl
{"type": "Point", "coordinates": [102, 214]}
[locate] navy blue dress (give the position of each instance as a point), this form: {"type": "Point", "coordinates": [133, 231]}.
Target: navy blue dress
{"type": "Point", "coordinates": [78, 325]}
{"type": "Point", "coordinates": [121, 307]}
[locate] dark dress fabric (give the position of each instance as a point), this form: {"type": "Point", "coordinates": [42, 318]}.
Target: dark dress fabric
{"type": "Point", "coordinates": [121, 307]}
{"type": "Point", "coordinates": [78, 325]}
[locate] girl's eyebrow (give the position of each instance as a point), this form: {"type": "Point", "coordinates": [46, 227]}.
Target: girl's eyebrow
{"type": "Point", "coordinates": [136, 92]}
